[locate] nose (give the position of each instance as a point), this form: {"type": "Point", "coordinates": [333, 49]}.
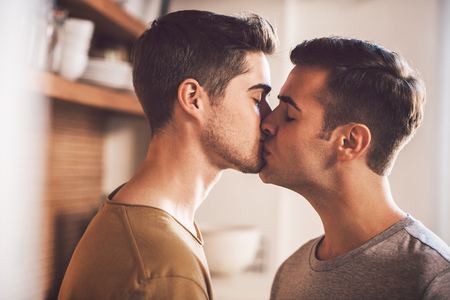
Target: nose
{"type": "Point", "coordinates": [269, 125]}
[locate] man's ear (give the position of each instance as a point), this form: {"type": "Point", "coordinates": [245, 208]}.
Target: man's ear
{"type": "Point", "coordinates": [192, 97]}
{"type": "Point", "coordinates": [354, 139]}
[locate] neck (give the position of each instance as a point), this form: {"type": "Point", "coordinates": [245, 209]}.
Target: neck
{"type": "Point", "coordinates": [354, 213]}
{"type": "Point", "coordinates": [175, 177]}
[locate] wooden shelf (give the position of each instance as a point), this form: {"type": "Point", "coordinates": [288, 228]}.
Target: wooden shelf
{"type": "Point", "coordinates": [108, 16]}
{"type": "Point", "coordinates": [56, 87]}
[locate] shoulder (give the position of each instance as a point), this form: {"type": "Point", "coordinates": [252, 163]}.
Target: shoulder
{"type": "Point", "coordinates": [172, 258]}
{"type": "Point", "coordinates": [134, 247]}
{"type": "Point", "coordinates": [424, 254]}
{"type": "Point", "coordinates": [153, 228]}
{"type": "Point", "coordinates": [160, 239]}
{"type": "Point", "coordinates": [422, 241]}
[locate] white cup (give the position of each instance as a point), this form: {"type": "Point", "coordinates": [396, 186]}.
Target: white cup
{"type": "Point", "coordinates": [75, 48]}
{"type": "Point", "coordinates": [73, 64]}
{"type": "Point", "coordinates": [73, 43]}
{"type": "Point", "coordinates": [80, 28]}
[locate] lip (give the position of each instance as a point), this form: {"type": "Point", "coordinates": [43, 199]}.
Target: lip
{"type": "Point", "coordinates": [265, 152]}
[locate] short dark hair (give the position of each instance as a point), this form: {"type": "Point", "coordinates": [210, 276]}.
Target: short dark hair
{"type": "Point", "coordinates": [370, 85]}
{"type": "Point", "coordinates": [208, 47]}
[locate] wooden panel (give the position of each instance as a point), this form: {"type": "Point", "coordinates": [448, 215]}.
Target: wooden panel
{"type": "Point", "coordinates": [74, 180]}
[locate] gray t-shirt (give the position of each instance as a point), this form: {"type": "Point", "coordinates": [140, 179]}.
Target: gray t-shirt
{"type": "Point", "coordinates": [406, 261]}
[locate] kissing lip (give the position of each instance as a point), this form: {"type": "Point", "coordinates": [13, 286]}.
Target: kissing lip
{"type": "Point", "coordinates": [265, 152]}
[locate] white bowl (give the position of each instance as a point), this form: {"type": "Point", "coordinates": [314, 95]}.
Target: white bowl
{"type": "Point", "coordinates": [113, 74]}
{"type": "Point", "coordinates": [230, 249]}
{"type": "Point", "coordinates": [105, 65]}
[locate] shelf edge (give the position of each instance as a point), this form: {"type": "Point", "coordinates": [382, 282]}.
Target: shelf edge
{"type": "Point", "coordinates": [56, 87]}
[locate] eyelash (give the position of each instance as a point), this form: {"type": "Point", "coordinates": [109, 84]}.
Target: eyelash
{"type": "Point", "coordinates": [257, 102]}
{"type": "Point", "coordinates": [287, 119]}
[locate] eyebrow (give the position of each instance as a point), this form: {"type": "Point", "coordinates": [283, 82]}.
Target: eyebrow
{"type": "Point", "coordinates": [265, 87]}
{"type": "Point", "coordinates": [288, 100]}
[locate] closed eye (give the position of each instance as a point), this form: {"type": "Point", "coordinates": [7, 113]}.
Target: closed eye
{"type": "Point", "coordinates": [257, 101]}
{"type": "Point", "coordinates": [288, 119]}
{"type": "Point", "coordinates": [265, 90]}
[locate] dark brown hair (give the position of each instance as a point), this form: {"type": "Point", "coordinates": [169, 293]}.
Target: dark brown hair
{"type": "Point", "coordinates": [370, 85]}
{"type": "Point", "coordinates": [205, 46]}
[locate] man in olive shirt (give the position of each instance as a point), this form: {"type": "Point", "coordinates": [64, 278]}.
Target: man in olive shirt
{"type": "Point", "coordinates": [202, 80]}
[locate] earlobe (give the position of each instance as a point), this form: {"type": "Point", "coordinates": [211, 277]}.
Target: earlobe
{"type": "Point", "coordinates": [190, 95]}
{"type": "Point", "coordinates": [355, 140]}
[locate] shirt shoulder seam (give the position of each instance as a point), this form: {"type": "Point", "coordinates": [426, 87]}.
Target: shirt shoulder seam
{"type": "Point", "coordinates": [426, 244]}
{"type": "Point", "coordinates": [141, 260]}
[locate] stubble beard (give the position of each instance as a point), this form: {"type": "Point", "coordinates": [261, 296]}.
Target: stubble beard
{"type": "Point", "coordinates": [227, 153]}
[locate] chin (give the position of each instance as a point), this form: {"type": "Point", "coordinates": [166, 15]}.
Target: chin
{"type": "Point", "coordinates": [249, 163]}
{"type": "Point", "coordinates": [262, 174]}
{"type": "Point", "coordinates": [269, 175]}
{"type": "Point", "coordinates": [250, 167]}
{"type": "Point", "coordinates": [261, 177]}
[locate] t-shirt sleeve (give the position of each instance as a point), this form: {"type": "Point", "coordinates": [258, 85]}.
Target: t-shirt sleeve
{"type": "Point", "coordinates": [168, 288]}
{"type": "Point", "coordinates": [439, 288]}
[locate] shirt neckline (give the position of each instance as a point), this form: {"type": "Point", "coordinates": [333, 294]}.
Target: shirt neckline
{"type": "Point", "coordinates": [109, 201]}
{"type": "Point", "coordinates": [327, 265]}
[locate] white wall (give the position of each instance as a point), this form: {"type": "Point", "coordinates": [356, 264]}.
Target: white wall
{"type": "Point", "coordinates": [125, 148]}
{"type": "Point", "coordinates": [409, 27]}
{"type": "Point", "coordinates": [443, 158]}
{"type": "Point", "coordinates": [23, 128]}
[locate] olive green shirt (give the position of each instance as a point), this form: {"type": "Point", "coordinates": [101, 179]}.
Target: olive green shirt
{"type": "Point", "coordinates": [137, 252]}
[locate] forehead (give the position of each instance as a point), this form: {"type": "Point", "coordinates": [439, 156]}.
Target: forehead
{"type": "Point", "coordinates": [258, 71]}
{"type": "Point", "coordinates": [305, 81]}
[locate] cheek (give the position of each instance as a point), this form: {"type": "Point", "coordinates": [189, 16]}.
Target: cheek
{"type": "Point", "coordinates": [249, 122]}
{"type": "Point", "coordinates": [293, 155]}
{"type": "Point", "coordinates": [294, 149]}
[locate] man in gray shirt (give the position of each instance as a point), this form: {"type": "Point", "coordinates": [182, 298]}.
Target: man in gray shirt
{"type": "Point", "coordinates": [346, 109]}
